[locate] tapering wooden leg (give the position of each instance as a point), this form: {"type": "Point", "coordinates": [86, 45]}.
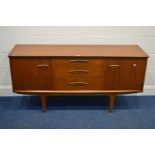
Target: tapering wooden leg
{"type": "Point", "coordinates": [112, 101]}
{"type": "Point", "coordinates": [43, 99]}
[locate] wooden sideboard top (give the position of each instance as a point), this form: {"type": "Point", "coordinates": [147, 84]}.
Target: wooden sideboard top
{"type": "Point", "coordinates": [77, 50]}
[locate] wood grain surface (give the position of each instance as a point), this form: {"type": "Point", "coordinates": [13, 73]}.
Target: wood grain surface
{"type": "Point", "coordinates": [78, 50]}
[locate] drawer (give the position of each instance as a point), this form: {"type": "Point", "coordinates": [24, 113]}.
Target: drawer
{"type": "Point", "coordinates": [78, 83]}
{"type": "Point", "coordinates": [72, 71]}
{"type": "Point", "coordinates": [78, 63]}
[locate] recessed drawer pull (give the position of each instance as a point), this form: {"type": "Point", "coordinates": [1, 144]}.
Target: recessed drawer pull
{"type": "Point", "coordinates": [79, 60]}
{"type": "Point", "coordinates": [78, 83]}
{"type": "Point", "coordinates": [117, 66]}
{"type": "Point", "coordinates": [83, 71]}
{"type": "Point", "coordinates": [43, 65]}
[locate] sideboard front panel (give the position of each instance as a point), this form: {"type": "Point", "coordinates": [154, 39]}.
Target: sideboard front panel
{"type": "Point", "coordinates": [78, 74]}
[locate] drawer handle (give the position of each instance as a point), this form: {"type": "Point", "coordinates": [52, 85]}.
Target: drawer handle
{"type": "Point", "coordinates": [117, 66]}
{"type": "Point", "coordinates": [43, 65]}
{"type": "Point", "coordinates": [84, 71]}
{"type": "Point", "coordinates": [84, 61]}
{"type": "Point", "coordinates": [78, 83]}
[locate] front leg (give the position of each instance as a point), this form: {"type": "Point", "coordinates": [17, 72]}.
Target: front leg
{"type": "Point", "coordinates": [43, 99]}
{"type": "Point", "coordinates": [112, 101]}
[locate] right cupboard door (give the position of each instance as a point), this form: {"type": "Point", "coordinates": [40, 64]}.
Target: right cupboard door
{"type": "Point", "coordinates": [124, 74]}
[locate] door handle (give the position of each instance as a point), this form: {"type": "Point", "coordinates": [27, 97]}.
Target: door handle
{"type": "Point", "coordinates": [82, 71]}
{"type": "Point", "coordinates": [115, 66]}
{"type": "Point", "coordinates": [43, 65]}
{"type": "Point", "coordinates": [78, 83]}
{"type": "Point", "coordinates": [79, 60]}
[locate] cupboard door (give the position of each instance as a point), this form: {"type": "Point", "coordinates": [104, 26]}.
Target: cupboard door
{"type": "Point", "coordinates": [132, 74]}
{"type": "Point", "coordinates": [112, 74]}
{"type": "Point", "coordinates": [31, 73]}
{"type": "Point", "coordinates": [124, 74]}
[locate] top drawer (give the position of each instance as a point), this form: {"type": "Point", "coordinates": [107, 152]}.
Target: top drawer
{"type": "Point", "coordinates": [78, 62]}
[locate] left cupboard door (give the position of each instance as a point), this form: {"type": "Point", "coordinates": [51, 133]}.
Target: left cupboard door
{"type": "Point", "coordinates": [31, 73]}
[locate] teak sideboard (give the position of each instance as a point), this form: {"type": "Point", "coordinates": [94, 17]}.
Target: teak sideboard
{"type": "Point", "coordinates": [77, 70]}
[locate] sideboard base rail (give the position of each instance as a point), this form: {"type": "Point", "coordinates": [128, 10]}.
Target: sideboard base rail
{"type": "Point", "coordinates": [43, 94]}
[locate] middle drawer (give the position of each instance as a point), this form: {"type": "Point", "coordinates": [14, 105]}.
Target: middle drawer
{"type": "Point", "coordinates": [78, 68]}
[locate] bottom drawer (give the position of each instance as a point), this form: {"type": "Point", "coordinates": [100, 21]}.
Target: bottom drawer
{"type": "Point", "coordinates": [78, 84]}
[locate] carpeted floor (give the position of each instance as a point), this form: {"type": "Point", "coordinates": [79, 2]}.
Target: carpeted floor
{"type": "Point", "coordinates": [73, 112]}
